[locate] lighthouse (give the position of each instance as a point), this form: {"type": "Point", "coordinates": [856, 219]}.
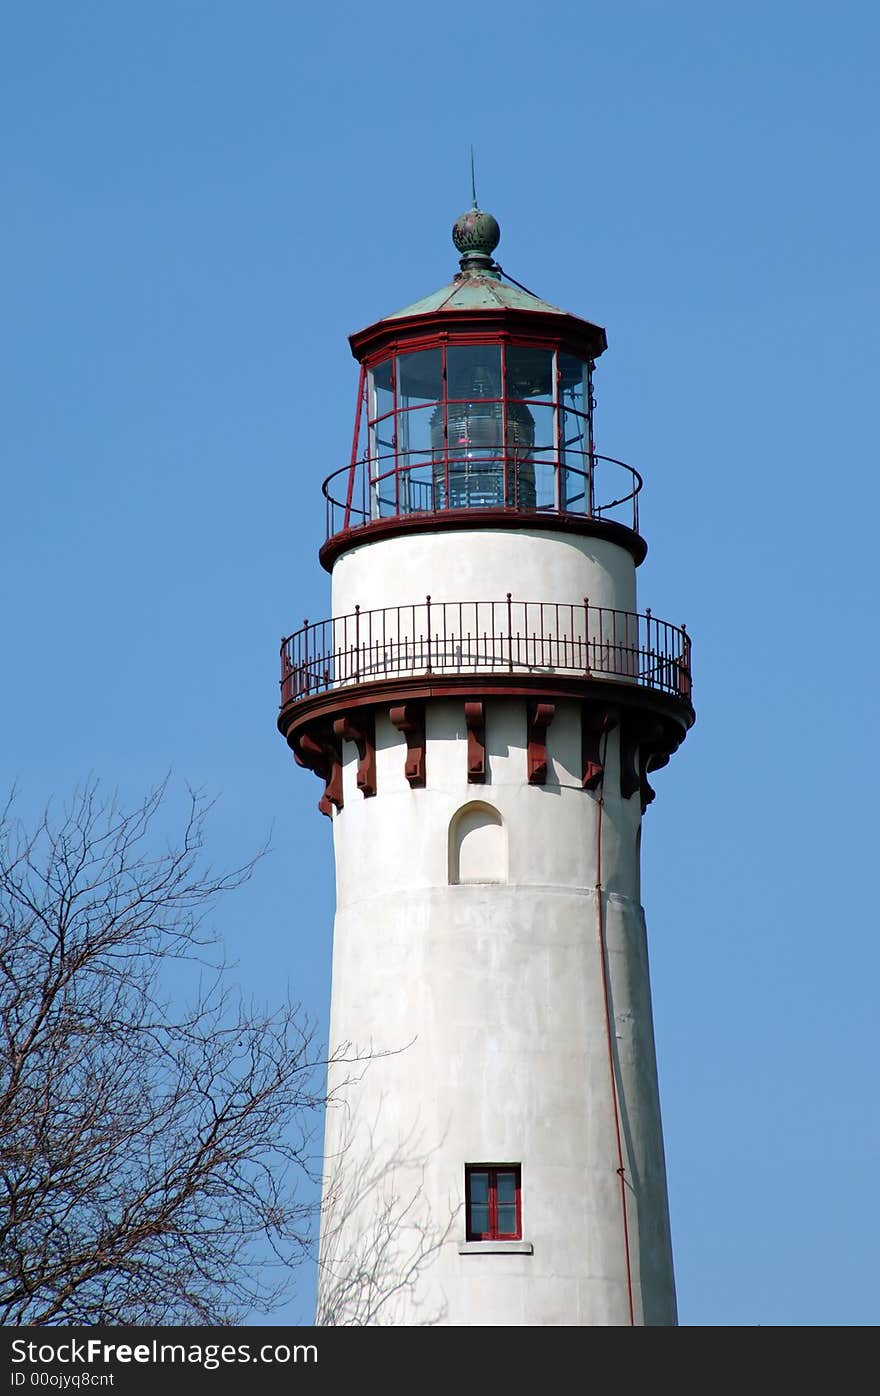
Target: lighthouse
{"type": "Point", "coordinates": [484, 708]}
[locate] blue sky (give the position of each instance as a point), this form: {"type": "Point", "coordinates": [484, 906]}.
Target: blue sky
{"type": "Point", "coordinates": [201, 201]}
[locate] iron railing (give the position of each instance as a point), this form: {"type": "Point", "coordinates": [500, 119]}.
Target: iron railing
{"type": "Point", "coordinates": [406, 484]}
{"type": "Point", "coordinates": [485, 637]}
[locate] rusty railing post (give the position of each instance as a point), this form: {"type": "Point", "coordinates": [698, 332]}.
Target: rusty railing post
{"type": "Point", "coordinates": [357, 643]}
{"type": "Point", "coordinates": [428, 604]}
{"type": "Point", "coordinates": [587, 668]}
{"type": "Point", "coordinates": [509, 636]}
{"type": "Point", "coordinates": [285, 672]}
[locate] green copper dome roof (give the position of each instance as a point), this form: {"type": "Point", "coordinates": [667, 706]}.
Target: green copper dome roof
{"type": "Point", "coordinates": [476, 290]}
{"type": "Point", "coordinates": [477, 296]}
{"type": "Point", "coordinates": [478, 286]}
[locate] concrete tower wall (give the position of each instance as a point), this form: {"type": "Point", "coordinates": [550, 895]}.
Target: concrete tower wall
{"type": "Point", "coordinates": [485, 564]}
{"type": "Point", "coordinates": [481, 1002]}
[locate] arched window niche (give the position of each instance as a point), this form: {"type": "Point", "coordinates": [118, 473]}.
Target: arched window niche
{"type": "Point", "coordinates": [477, 845]}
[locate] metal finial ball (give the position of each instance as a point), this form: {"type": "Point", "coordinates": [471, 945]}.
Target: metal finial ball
{"type": "Point", "coordinates": [476, 231]}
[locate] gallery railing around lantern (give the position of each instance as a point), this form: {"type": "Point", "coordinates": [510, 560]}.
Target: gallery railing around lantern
{"type": "Point", "coordinates": [485, 637]}
{"type": "Point", "coordinates": [406, 484]}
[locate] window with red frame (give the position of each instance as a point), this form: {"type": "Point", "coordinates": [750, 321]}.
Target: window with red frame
{"type": "Point", "coordinates": [494, 1202]}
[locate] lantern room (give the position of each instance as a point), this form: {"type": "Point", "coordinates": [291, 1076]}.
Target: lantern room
{"type": "Point", "coordinates": [476, 405]}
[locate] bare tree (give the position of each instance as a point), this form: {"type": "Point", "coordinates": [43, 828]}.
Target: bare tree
{"type": "Point", "coordinates": [153, 1137]}
{"type": "Point", "coordinates": [379, 1236]}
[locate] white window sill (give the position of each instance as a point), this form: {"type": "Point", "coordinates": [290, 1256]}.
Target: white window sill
{"type": "Point", "coordinates": [495, 1248]}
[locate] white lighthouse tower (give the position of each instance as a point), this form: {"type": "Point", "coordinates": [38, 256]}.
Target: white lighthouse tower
{"type": "Point", "coordinates": [484, 709]}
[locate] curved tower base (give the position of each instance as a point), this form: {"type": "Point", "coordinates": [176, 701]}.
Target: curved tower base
{"type": "Point", "coordinates": [473, 977]}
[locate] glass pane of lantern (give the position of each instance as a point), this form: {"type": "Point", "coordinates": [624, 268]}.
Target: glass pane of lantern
{"type": "Point", "coordinates": [537, 475]}
{"type": "Point", "coordinates": [531, 481]}
{"type": "Point", "coordinates": [529, 372]}
{"type": "Point", "coordinates": [420, 377]}
{"type": "Point", "coordinates": [574, 453]}
{"type": "Point", "coordinates": [419, 389]}
{"type": "Point", "coordinates": [382, 427]}
{"type": "Point", "coordinates": [572, 382]}
{"type": "Point", "coordinates": [473, 463]}
{"type": "Point", "coordinates": [574, 435]}
{"type": "Point", "coordinates": [382, 396]}
{"type": "Point", "coordinates": [521, 455]}
{"type": "Point", "coordinates": [473, 371]}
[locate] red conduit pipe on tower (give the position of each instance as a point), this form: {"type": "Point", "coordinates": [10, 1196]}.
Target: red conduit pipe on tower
{"type": "Point", "coordinates": [603, 951]}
